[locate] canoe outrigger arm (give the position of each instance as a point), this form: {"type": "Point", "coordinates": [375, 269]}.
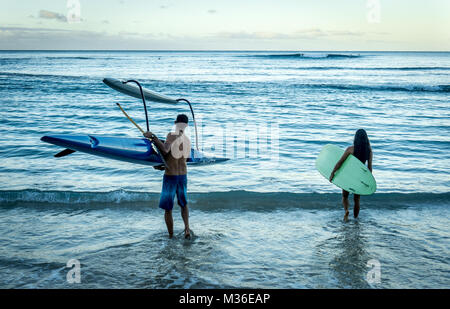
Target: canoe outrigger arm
{"type": "Point", "coordinates": [178, 100]}
{"type": "Point", "coordinates": [143, 99]}
{"type": "Point", "coordinates": [193, 118]}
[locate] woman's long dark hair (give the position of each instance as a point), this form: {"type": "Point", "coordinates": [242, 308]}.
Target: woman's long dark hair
{"type": "Point", "coordinates": [361, 146]}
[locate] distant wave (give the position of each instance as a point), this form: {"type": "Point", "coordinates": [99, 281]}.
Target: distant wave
{"type": "Point", "coordinates": [380, 87]}
{"type": "Point", "coordinates": [408, 88]}
{"type": "Point", "coordinates": [341, 56]}
{"type": "Point", "coordinates": [377, 68]}
{"type": "Point", "coordinates": [69, 58]}
{"type": "Point", "coordinates": [17, 59]}
{"type": "Point", "coordinates": [18, 74]}
{"type": "Point", "coordinates": [309, 56]}
{"type": "Point", "coordinates": [48, 58]}
{"type": "Point", "coordinates": [214, 200]}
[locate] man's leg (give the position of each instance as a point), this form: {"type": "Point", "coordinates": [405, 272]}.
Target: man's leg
{"type": "Point", "coordinates": [345, 203]}
{"type": "Point", "coordinates": [356, 198]}
{"type": "Point", "coordinates": [169, 222]}
{"type": "Point", "coordinates": [182, 201]}
{"type": "Point", "coordinates": [185, 216]}
{"type": "Point", "coordinates": [166, 201]}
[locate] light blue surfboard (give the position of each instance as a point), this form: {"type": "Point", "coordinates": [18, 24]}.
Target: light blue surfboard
{"type": "Point", "coordinates": [353, 176]}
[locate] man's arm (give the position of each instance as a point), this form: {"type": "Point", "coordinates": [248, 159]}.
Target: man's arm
{"type": "Point", "coordinates": [164, 148]}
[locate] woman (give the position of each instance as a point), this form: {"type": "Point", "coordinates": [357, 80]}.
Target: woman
{"type": "Point", "coordinates": [361, 149]}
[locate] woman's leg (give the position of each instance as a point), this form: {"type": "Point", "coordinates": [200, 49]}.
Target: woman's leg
{"type": "Point", "coordinates": [345, 203]}
{"type": "Point", "coordinates": [356, 198]}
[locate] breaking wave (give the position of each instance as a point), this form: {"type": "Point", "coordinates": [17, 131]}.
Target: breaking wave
{"type": "Point", "coordinates": [309, 56]}
{"type": "Point", "coordinates": [230, 200]}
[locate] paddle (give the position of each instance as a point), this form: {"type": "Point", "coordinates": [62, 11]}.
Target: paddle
{"type": "Point", "coordinates": [142, 131]}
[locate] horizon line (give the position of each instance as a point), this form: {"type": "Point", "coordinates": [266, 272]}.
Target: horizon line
{"type": "Point", "coordinates": [217, 50]}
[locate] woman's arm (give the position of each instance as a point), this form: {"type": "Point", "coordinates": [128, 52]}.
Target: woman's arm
{"type": "Point", "coordinates": [338, 165]}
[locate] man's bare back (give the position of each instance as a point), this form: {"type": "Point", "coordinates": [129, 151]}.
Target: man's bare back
{"type": "Point", "coordinates": [175, 166]}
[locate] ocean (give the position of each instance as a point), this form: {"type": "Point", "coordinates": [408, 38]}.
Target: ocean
{"type": "Point", "coordinates": [264, 219]}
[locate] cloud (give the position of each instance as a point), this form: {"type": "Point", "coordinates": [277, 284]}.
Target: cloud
{"type": "Point", "coordinates": [52, 15]}
{"type": "Point", "coordinates": [48, 38]}
{"type": "Point", "coordinates": [345, 33]}
{"type": "Point", "coordinates": [30, 30]}
{"type": "Point", "coordinates": [301, 34]}
{"type": "Point", "coordinates": [320, 33]}
{"type": "Point", "coordinates": [212, 11]}
{"type": "Point", "coordinates": [105, 21]}
{"type": "Point", "coordinates": [249, 35]}
{"type": "Point", "coordinates": [15, 37]}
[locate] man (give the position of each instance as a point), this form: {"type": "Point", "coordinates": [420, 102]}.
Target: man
{"type": "Point", "coordinates": [175, 150]}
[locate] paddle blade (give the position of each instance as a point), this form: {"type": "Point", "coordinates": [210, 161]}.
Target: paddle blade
{"type": "Point", "coordinates": [64, 153]}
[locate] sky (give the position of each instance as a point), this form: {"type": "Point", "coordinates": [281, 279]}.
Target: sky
{"type": "Point", "coordinates": [300, 25]}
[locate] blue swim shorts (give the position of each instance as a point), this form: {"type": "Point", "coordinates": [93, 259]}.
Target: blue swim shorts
{"type": "Point", "coordinates": [173, 184]}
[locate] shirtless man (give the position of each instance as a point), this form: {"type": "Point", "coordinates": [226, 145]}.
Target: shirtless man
{"type": "Point", "coordinates": [175, 150]}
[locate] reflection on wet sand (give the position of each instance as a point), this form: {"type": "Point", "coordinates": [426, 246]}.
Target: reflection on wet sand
{"type": "Point", "coordinates": [349, 266]}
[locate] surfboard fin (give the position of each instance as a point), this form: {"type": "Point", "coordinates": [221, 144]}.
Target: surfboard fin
{"type": "Point", "coordinates": [64, 153]}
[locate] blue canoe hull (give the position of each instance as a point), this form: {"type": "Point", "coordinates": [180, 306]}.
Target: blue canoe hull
{"type": "Point", "coordinates": [132, 150]}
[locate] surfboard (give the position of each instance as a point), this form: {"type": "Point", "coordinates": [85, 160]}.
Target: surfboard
{"type": "Point", "coordinates": [133, 150]}
{"type": "Point", "coordinates": [134, 91]}
{"type": "Point", "coordinates": [353, 176]}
